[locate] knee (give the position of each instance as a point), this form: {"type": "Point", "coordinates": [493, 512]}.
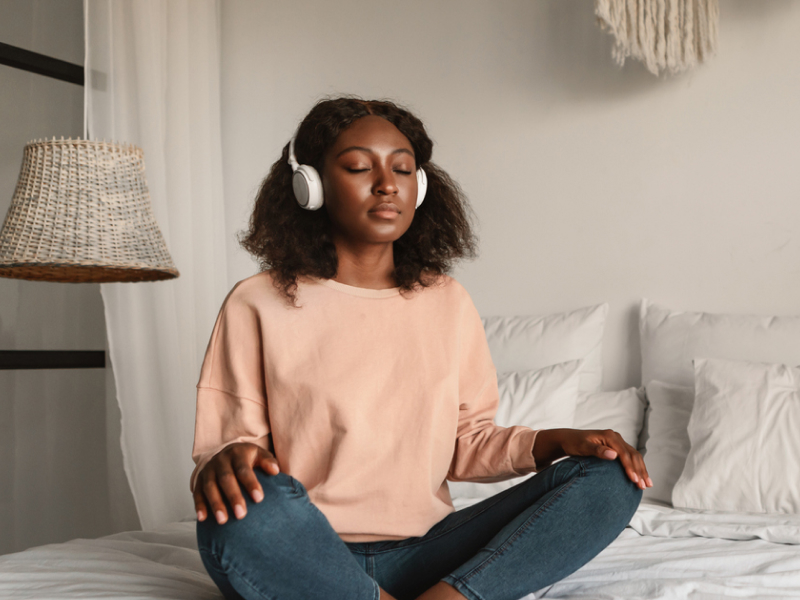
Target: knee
{"type": "Point", "coordinates": [274, 513]}
{"type": "Point", "coordinates": [279, 489]}
{"type": "Point", "coordinates": [612, 482]}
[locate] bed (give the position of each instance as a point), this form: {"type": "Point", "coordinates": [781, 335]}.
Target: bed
{"type": "Point", "coordinates": [664, 553]}
{"type": "Point", "coordinates": [711, 528]}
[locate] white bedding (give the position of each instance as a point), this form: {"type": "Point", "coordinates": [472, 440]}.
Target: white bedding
{"type": "Point", "coordinates": [669, 553]}
{"type": "Point", "coordinates": [665, 553]}
{"type": "Point", "coordinates": [133, 565]}
{"type": "Point", "coordinates": [655, 519]}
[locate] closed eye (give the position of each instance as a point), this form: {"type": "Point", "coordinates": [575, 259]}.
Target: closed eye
{"type": "Point", "coordinates": [404, 172]}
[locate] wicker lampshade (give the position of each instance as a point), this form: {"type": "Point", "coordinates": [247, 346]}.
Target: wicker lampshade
{"type": "Point", "coordinates": [81, 213]}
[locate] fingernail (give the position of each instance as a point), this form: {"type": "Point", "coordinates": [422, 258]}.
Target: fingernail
{"type": "Point", "coordinates": [199, 515]}
{"type": "Point", "coordinates": [238, 510]}
{"type": "Point", "coordinates": [635, 478]}
{"type": "Point", "coordinates": [220, 516]}
{"type": "Point", "coordinates": [610, 454]}
{"type": "Point", "coordinates": [649, 482]}
{"type": "Point", "coordinates": [258, 496]}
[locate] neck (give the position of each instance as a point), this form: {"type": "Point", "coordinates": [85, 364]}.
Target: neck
{"type": "Point", "coordinates": [367, 266]}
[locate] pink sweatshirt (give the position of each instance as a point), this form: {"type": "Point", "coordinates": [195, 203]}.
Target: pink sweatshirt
{"type": "Point", "coordinates": [373, 400]}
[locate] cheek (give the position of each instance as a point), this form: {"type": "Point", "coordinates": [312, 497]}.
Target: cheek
{"type": "Point", "coordinates": [346, 204]}
{"type": "Point", "coordinates": [347, 191]}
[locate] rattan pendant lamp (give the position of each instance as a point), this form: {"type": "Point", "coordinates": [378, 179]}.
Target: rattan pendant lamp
{"type": "Point", "coordinates": [81, 213]}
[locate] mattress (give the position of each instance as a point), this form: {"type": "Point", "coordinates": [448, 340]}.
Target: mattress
{"type": "Point", "coordinates": [664, 553]}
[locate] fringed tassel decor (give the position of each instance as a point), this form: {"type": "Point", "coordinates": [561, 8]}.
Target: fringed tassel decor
{"type": "Point", "coordinates": [669, 35]}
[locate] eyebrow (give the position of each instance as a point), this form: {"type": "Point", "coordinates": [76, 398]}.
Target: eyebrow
{"type": "Point", "coordinates": [363, 149]}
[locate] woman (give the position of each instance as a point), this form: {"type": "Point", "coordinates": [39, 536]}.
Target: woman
{"type": "Point", "coordinates": [356, 374]}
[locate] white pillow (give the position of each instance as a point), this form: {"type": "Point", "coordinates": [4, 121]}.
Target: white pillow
{"type": "Point", "coordinates": [622, 411]}
{"type": "Point", "coordinates": [670, 407]}
{"type": "Point", "coordinates": [745, 447]}
{"type": "Point", "coordinates": [522, 343]}
{"type": "Point", "coordinates": [541, 399]}
{"type": "Point", "coordinates": [670, 340]}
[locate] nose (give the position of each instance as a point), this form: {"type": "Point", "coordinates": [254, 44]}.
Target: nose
{"type": "Point", "coordinates": [385, 182]}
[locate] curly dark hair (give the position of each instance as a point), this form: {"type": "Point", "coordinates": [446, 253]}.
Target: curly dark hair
{"type": "Point", "coordinates": [293, 241]}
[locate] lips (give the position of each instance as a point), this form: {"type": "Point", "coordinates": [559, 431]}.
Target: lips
{"type": "Point", "coordinates": [385, 206]}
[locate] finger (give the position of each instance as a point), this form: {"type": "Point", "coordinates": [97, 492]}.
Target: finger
{"type": "Point", "coordinates": [245, 474]}
{"type": "Point", "coordinates": [642, 469]}
{"type": "Point", "coordinates": [217, 506]}
{"type": "Point", "coordinates": [626, 454]}
{"type": "Point", "coordinates": [199, 504]}
{"type": "Point", "coordinates": [606, 449]}
{"type": "Point", "coordinates": [637, 464]}
{"type": "Point", "coordinates": [269, 463]}
{"type": "Point", "coordinates": [628, 463]}
{"type": "Point", "coordinates": [606, 452]}
{"type": "Point", "coordinates": [230, 486]}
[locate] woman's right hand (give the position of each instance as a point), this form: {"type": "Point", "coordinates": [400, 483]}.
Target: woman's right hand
{"type": "Point", "coordinates": [225, 470]}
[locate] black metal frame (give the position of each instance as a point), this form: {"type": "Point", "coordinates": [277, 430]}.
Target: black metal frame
{"type": "Point", "coordinates": [47, 359]}
{"type": "Point", "coordinates": [52, 359]}
{"type": "Point", "coordinates": [41, 64]}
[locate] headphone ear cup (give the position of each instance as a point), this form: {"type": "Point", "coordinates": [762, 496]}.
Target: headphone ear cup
{"type": "Point", "coordinates": [422, 185]}
{"type": "Point", "coordinates": [307, 187]}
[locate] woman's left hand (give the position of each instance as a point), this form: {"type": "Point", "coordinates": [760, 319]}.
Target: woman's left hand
{"type": "Point", "coordinates": [604, 443]}
{"type": "Point", "coordinates": [608, 444]}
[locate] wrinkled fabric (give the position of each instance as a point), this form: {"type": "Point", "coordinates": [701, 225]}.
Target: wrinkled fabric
{"type": "Point", "coordinates": [370, 398]}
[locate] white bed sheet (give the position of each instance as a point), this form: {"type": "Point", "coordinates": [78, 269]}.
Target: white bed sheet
{"type": "Point", "coordinates": [668, 553]}
{"type": "Point", "coordinates": [664, 554]}
{"type": "Point", "coordinates": [656, 519]}
{"type": "Point", "coordinates": [158, 564]}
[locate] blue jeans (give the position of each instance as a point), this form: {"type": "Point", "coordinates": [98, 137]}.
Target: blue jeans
{"type": "Point", "coordinates": [503, 548]}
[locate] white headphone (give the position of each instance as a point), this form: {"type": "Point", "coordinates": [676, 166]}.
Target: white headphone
{"type": "Point", "coordinates": [307, 184]}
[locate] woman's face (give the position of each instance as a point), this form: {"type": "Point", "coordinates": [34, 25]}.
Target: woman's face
{"type": "Point", "coordinates": [370, 165]}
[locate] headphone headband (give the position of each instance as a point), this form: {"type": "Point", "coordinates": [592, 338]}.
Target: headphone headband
{"type": "Point", "coordinates": [292, 157]}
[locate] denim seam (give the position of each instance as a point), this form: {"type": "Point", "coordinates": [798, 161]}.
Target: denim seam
{"type": "Point", "coordinates": [242, 577]}
{"type": "Point", "coordinates": [369, 569]}
{"type": "Point", "coordinates": [524, 527]}
{"type": "Point", "coordinates": [463, 588]}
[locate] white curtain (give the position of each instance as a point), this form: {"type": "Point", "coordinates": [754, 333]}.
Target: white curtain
{"type": "Point", "coordinates": [152, 79]}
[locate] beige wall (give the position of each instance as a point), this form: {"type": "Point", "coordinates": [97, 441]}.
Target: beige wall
{"type": "Point", "coordinates": [591, 183]}
{"type": "Point", "coordinates": [55, 463]}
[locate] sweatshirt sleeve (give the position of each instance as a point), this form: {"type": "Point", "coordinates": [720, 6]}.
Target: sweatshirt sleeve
{"type": "Point", "coordinates": [484, 451]}
{"type": "Point", "coordinates": [231, 393]}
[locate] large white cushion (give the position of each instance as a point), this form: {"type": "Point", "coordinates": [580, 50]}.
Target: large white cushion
{"type": "Point", "coordinates": [540, 399]}
{"type": "Point", "coordinates": [622, 411]}
{"type": "Point", "coordinates": [522, 343]}
{"type": "Point", "coordinates": [668, 442]}
{"type": "Point", "coordinates": [670, 340]}
{"type": "Point", "coordinates": [745, 439]}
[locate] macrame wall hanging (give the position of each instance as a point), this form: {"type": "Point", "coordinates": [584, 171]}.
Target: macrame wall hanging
{"type": "Point", "coordinates": [666, 35]}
